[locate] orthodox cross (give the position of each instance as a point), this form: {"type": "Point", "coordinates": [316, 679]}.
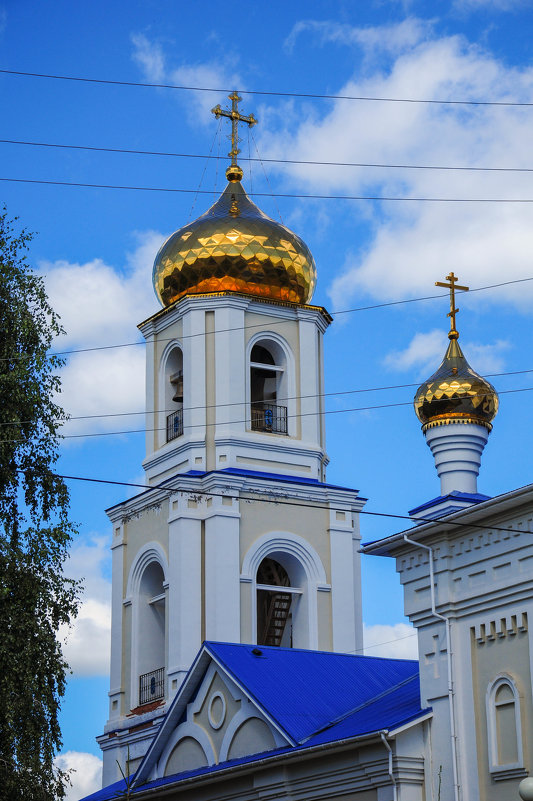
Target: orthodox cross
{"type": "Point", "coordinates": [235, 117]}
{"type": "Point", "coordinates": [452, 285]}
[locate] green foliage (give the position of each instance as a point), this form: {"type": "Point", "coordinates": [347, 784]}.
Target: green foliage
{"type": "Point", "coordinates": [35, 597]}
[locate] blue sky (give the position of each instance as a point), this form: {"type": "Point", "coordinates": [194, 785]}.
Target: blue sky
{"type": "Point", "coordinates": [96, 246]}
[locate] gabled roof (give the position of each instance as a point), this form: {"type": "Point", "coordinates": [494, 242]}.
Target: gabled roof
{"type": "Point", "coordinates": [310, 697]}
{"type": "Point", "coordinates": [303, 691]}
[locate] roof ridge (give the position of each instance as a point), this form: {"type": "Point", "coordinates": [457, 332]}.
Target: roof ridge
{"type": "Point", "coordinates": [370, 701]}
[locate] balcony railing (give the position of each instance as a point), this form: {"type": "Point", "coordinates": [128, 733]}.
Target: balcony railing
{"type": "Point", "coordinates": [152, 686]}
{"type": "Point", "coordinates": [267, 417]}
{"type": "Point", "coordinates": [174, 425]}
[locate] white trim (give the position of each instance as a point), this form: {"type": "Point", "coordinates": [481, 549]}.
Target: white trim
{"type": "Point", "coordinates": [161, 389]}
{"type": "Point", "coordinates": [299, 549]}
{"type": "Point", "coordinates": [151, 552]}
{"type": "Point", "coordinates": [248, 711]}
{"type": "Point", "coordinates": [185, 729]}
{"type": "Point", "coordinates": [492, 737]}
{"type": "Point", "coordinates": [288, 371]}
{"type": "Point", "coordinates": [216, 724]}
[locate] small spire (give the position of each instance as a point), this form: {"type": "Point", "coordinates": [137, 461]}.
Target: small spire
{"type": "Point", "coordinates": [234, 172]}
{"type": "Point", "coordinates": [452, 285]}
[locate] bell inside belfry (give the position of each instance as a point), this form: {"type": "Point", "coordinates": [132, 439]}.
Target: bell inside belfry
{"type": "Point", "coordinates": [177, 382]}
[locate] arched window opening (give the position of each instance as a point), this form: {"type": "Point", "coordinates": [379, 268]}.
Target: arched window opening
{"type": "Point", "coordinates": [276, 603]}
{"type": "Point", "coordinates": [174, 394]}
{"type": "Point", "coordinates": [505, 738]}
{"type": "Point", "coordinates": [267, 386]}
{"type": "Point", "coordinates": [151, 634]}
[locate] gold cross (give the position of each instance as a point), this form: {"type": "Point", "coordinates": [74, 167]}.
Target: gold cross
{"type": "Point", "coordinates": [235, 117]}
{"type": "Point", "coordinates": [452, 285]}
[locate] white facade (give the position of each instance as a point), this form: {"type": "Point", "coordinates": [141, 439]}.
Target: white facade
{"type": "Point", "coordinates": [474, 581]}
{"type": "Point", "coordinates": [236, 480]}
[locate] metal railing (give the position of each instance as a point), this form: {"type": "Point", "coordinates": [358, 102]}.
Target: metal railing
{"type": "Point", "coordinates": [152, 686]}
{"type": "Point", "coordinates": [174, 425]}
{"type": "Point", "coordinates": [268, 417]}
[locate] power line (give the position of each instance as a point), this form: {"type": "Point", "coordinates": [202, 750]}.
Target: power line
{"type": "Point", "coordinates": [240, 422]}
{"type": "Point", "coordinates": [290, 195]}
{"type": "Point", "coordinates": [265, 93]}
{"type": "Point", "coordinates": [279, 400]}
{"type": "Point", "coordinates": [278, 500]}
{"type": "Point", "coordinates": [273, 323]}
{"type": "Point", "coordinates": [267, 160]}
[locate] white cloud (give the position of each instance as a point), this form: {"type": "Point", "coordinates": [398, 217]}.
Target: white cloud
{"type": "Point", "coordinates": [398, 641]}
{"type": "Point", "coordinates": [411, 244]}
{"type": "Point", "coordinates": [101, 305]}
{"type": "Point", "coordinates": [392, 38]}
{"type": "Point", "coordinates": [153, 62]}
{"type": "Point", "coordinates": [149, 56]}
{"type": "Point", "coordinates": [86, 776]}
{"type": "Point", "coordinates": [86, 645]}
{"type": "Point", "coordinates": [425, 352]}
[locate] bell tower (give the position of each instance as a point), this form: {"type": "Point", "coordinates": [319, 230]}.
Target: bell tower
{"type": "Point", "coordinates": [238, 537]}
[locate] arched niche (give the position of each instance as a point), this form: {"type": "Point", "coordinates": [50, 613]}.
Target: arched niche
{"type": "Point", "coordinates": [252, 737]}
{"type": "Point", "coordinates": [171, 392]}
{"type": "Point", "coordinates": [146, 590]}
{"type": "Point", "coordinates": [303, 567]}
{"type": "Point", "coordinates": [188, 754]}
{"type": "Point", "coordinates": [270, 384]}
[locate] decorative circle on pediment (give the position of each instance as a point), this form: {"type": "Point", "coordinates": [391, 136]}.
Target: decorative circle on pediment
{"type": "Point", "coordinates": [216, 711]}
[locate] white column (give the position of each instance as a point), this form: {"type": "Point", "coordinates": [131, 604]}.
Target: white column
{"type": "Point", "coordinates": [152, 420]}
{"type": "Point", "coordinates": [308, 365]}
{"type": "Point", "coordinates": [230, 352]}
{"type": "Point", "coordinates": [184, 593]}
{"type": "Point", "coordinates": [343, 611]}
{"type": "Point", "coordinates": [116, 689]}
{"type": "Point", "coordinates": [194, 374]}
{"type": "Point", "coordinates": [457, 449]}
{"type": "Point", "coordinates": [222, 571]}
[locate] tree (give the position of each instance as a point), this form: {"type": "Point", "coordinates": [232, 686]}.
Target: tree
{"type": "Point", "coordinates": [35, 597]}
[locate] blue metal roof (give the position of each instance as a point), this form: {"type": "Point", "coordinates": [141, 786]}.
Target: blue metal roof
{"type": "Point", "coordinates": [316, 697]}
{"type": "Point", "coordinates": [305, 691]}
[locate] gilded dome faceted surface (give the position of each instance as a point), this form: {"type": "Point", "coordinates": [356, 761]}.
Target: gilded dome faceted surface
{"type": "Point", "coordinates": [455, 394]}
{"type": "Point", "coordinates": [234, 246]}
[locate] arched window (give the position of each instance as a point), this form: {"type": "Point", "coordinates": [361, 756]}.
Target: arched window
{"type": "Point", "coordinates": [150, 638]}
{"type": "Point", "coordinates": [504, 726]}
{"type": "Point", "coordinates": [173, 395]}
{"type": "Point", "coordinates": [268, 387]}
{"type": "Point", "coordinates": [274, 616]}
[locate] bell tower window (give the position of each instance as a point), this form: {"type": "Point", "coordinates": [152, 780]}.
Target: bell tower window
{"type": "Point", "coordinates": [267, 382]}
{"type": "Point", "coordinates": [174, 394]}
{"type": "Point", "coordinates": [275, 602]}
{"type": "Point", "coordinates": [151, 634]}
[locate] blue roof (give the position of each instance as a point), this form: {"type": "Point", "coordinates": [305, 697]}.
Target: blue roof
{"type": "Point", "coordinates": [304, 691]}
{"type": "Point", "coordinates": [315, 697]}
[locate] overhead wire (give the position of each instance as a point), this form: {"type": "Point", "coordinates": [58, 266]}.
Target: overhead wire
{"type": "Point", "coordinates": [311, 396]}
{"type": "Point", "coordinates": [249, 158]}
{"type": "Point", "coordinates": [267, 93]}
{"type": "Point", "coordinates": [290, 195]}
{"type": "Point", "coordinates": [371, 307]}
{"type": "Point", "coordinates": [189, 426]}
{"type": "Point", "coordinates": [278, 500]}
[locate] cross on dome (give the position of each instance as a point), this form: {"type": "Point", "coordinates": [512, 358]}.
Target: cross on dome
{"type": "Point", "coordinates": [452, 285]}
{"type": "Point", "coordinates": [234, 172]}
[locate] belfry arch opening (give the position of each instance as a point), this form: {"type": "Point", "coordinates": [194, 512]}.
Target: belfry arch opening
{"type": "Point", "coordinates": [268, 388]}
{"type": "Point", "coordinates": [173, 395]}
{"type": "Point", "coordinates": [277, 601]}
{"type": "Point", "coordinates": [151, 630]}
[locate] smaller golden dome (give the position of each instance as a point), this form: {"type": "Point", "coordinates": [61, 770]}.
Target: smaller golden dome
{"type": "Point", "coordinates": [234, 247]}
{"type": "Point", "coordinates": [455, 393]}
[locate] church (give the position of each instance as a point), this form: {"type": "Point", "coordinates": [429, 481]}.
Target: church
{"type": "Point", "coordinates": [236, 650]}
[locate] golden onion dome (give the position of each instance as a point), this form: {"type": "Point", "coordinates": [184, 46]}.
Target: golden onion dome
{"type": "Point", "coordinates": [455, 393]}
{"type": "Point", "coordinates": [234, 247]}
